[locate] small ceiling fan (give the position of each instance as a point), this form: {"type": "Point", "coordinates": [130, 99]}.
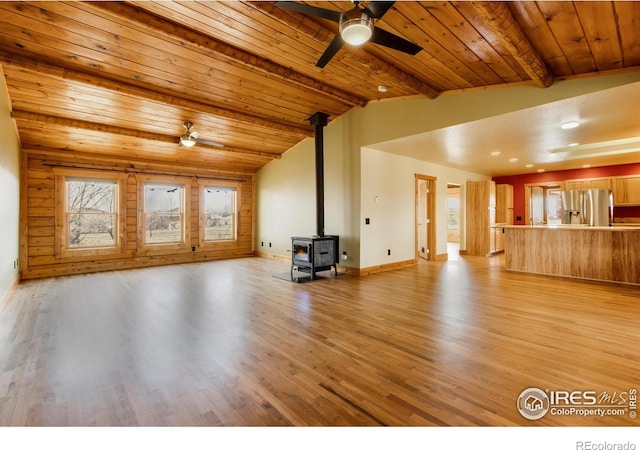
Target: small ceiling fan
{"type": "Point", "coordinates": [191, 138]}
{"type": "Point", "coordinates": [356, 27]}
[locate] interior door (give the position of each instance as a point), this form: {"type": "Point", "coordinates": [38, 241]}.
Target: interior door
{"type": "Point", "coordinates": [422, 219]}
{"type": "Point", "coordinates": [537, 205]}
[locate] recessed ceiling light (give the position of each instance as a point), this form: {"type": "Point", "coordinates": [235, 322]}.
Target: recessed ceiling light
{"type": "Point", "coordinates": [569, 125]}
{"type": "Point", "coordinates": [586, 166]}
{"type": "Point", "coordinates": [382, 88]}
{"type": "Point", "coordinates": [529, 166]}
{"type": "Point", "coordinates": [495, 153]}
{"type": "Point", "coordinates": [573, 144]}
{"type": "Point", "coordinates": [513, 159]}
{"type": "Point", "coordinates": [540, 170]}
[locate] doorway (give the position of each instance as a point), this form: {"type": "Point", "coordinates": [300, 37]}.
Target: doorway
{"type": "Point", "coordinates": [453, 220]}
{"type": "Point", "coordinates": [542, 204]}
{"type": "Point", "coordinates": [425, 193]}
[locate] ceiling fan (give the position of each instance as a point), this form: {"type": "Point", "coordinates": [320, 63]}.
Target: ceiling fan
{"type": "Point", "coordinates": [191, 138]}
{"type": "Point", "coordinates": [356, 27]}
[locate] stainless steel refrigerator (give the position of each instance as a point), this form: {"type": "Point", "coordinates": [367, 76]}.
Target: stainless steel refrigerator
{"type": "Point", "coordinates": [593, 207]}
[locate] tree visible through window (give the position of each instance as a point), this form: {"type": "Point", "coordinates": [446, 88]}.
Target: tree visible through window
{"type": "Point", "coordinates": [91, 213]}
{"type": "Point", "coordinates": [220, 213]}
{"type": "Point", "coordinates": [163, 213]}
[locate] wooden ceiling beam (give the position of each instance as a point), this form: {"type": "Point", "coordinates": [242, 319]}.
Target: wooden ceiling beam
{"type": "Point", "coordinates": [85, 160]}
{"type": "Point", "coordinates": [210, 44]}
{"type": "Point", "coordinates": [21, 62]}
{"type": "Point", "coordinates": [321, 34]}
{"type": "Point", "coordinates": [112, 129]}
{"type": "Point", "coordinates": [499, 19]}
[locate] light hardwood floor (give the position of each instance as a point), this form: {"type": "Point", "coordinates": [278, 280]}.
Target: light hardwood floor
{"type": "Point", "coordinates": [226, 343]}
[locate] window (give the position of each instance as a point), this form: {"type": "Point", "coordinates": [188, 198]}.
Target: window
{"type": "Point", "coordinates": [220, 213]}
{"type": "Point", "coordinates": [91, 213]}
{"type": "Point", "coordinates": [219, 202]}
{"type": "Point", "coordinates": [88, 218]}
{"type": "Point", "coordinates": [453, 206]}
{"type": "Point", "coordinates": [163, 213]}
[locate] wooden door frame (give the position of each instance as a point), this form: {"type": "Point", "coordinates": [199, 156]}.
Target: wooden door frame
{"type": "Point", "coordinates": [527, 196]}
{"type": "Point", "coordinates": [431, 215]}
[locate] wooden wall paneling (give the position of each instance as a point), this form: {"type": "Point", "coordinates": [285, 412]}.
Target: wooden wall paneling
{"type": "Point", "coordinates": [196, 214]}
{"type": "Point", "coordinates": [38, 252]}
{"type": "Point", "coordinates": [24, 214]}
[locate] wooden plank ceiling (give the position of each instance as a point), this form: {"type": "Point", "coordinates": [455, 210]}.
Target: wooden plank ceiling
{"type": "Point", "coordinates": [119, 79]}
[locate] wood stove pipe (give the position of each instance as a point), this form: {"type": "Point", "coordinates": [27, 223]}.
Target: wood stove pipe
{"type": "Point", "coordinates": [319, 121]}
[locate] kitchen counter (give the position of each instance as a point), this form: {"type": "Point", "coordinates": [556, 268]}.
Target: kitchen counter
{"type": "Point", "coordinates": [576, 251]}
{"type": "Point", "coordinates": [615, 227]}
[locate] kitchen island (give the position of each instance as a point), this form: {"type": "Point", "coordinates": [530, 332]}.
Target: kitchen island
{"type": "Point", "coordinates": [592, 253]}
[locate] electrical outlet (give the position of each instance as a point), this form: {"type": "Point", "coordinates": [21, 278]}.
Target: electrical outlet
{"type": "Point", "coordinates": [389, 252]}
{"type": "Point", "coordinates": [367, 221]}
{"type": "Point", "coordinates": [344, 255]}
{"type": "Point", "coordinates": [269, 244]}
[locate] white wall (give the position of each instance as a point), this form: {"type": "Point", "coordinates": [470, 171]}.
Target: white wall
{"type": "Point", "coordinates": [285, 188]}
{"type": "Point", "coordinates": [391, 179]}
{"type": "Point", "coordinates": [9, 194]}
{"type": "Point", "coordinates": [285, 194]}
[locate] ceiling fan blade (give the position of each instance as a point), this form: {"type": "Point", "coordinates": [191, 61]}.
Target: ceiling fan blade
{"type": "Point", "coordinates": [331, 51]}
{"type": "Point", "coordinates": [210, 143]}
{"type": "Point", "coordinates": [390, 40]}
{"type": "Point", "coordinates": [194, 134]}
{"type": "Point", "coordinates": [378, 9]}
{"type": "Point", "coordinates": [311, 10]}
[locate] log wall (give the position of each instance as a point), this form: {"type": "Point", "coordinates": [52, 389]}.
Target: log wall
{"type": "Point", "coordinates": [38, 256]}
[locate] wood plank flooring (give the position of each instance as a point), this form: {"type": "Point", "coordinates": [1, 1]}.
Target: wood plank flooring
{"type": "Point", "coordinates": [226, 343]}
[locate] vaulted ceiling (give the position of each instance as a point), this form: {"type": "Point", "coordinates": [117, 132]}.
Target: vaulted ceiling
{"type": "Point", "coordinates": [119, 79]}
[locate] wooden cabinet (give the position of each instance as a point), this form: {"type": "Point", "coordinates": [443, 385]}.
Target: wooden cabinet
{"type": "Point", "coordinates": [480, 208]}
{"type": "Point", "coordinates": [589, 183]}
{"type": "Point", "coordinates": [504, 215]}
{"type": "Point", "coordinates": [626, 191]}
{"type": "Point", "coordinates": [499, 239]}
{"type": "Point", "coordinates": [504, 204]}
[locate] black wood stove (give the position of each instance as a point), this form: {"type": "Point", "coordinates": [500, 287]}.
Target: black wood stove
{"type": "Point", "coordinates": [318, 253]}
{"type": "Point", "coordinates": [314, 254]}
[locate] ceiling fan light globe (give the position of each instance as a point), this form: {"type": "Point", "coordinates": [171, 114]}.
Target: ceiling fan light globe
{"type": "Point", "coordinates": [187, 141]}
{"type": "Point", "coordinates": [356, 31]}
